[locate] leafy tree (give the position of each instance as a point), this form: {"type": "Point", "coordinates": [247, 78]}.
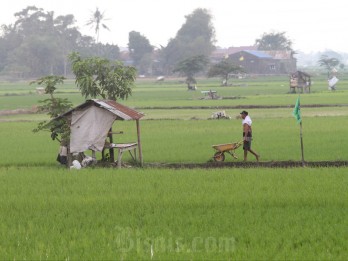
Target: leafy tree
{"type": "Point", "coordinates": [38, 43]}
{"type": "Point", "coordinates": [25, 38]}
{"type": "Point", "coordinates": [8, 41]}
{"type": "Point", "coordinates": [29, 21]}
{"type": "Point", "coordinates": [68, 38]}
{"type": "Point", "coordinates": [140, 50]}
{"type": "Point", "coordinates": [59, 128]}
{"type": "Point", "coordinates": [96, 21]}
{"type": "Point", "coordinates": [146, 64]}
{"type": "Point", "coordinates": [195, 37]}
{"type": "Point", "coordinates": [223, 69]}
{"type": "Point", "coordinates": [101, 77]}
{"type": "Point", "coordinates": [107, 51]}
{"type": "Point", "coordinates": [329, 63]}
{"type": "Point", "coordinates": [274, 41]}
{"type": "Point", "coordinates": [190, 66]}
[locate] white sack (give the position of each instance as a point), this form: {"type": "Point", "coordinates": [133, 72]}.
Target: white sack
{"type": "Point", "coordinates": [333, 81]}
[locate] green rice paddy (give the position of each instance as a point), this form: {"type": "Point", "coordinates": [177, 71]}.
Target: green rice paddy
{"type": "Point", "coordinates": [51, 213]}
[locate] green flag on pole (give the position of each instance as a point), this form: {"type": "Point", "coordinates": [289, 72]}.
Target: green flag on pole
{"type": "Point", "coordinates": [297, 114]}
{"type": "Point", "coordinates": [297, 111]}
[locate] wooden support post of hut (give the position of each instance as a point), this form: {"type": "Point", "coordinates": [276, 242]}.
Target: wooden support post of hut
{"type": "Point", "coordinates": [90, 125]}
{"type": "Point", "coordinates": [300, 82]}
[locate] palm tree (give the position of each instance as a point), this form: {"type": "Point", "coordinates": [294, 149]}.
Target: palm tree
{"type": "Point", "coordinates": [96, 21]}
{"type": "Point", "coordinates": [329, 63]}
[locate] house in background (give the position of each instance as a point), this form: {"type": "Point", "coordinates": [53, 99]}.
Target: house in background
{"type": "Point", "coordinates": [222, 53]}
{"type": "Point", "coordinates": [285, 61]}
{"type": "Point", "coordinates": [264, 62]}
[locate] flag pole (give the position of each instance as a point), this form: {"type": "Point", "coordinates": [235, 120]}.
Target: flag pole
{"type": "Point", "coordinates": [297, 114]}
{"type": "Point", "coordinates": [301, 137]}
{"type": "Point", "coordinates": [303, 163]}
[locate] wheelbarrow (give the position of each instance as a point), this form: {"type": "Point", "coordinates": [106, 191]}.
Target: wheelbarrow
{"type": "Point", "coordinates": [229, 148]}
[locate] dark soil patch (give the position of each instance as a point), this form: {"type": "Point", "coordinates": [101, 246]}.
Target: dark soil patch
{"type": "Point", "coordinates": [18, 111]}
{"type": "Point", "coordinates": [266, 164]}
{"type": "Point", "coordinates": [219, 165]}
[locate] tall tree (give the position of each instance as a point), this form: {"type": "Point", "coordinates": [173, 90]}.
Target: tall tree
{"type": "Point", "coordinates": [224, 69]}
{"type": "Point", "coordinates": [53, 107]}
{"type": "Point", "coordinates": [38, 43]}
{"type": "Point", "coordinates": [190, 66]}
{"type": "Point", "coordinates": [38, 49]}
{"type": "Point", "coordinates": [274, 41]}
{"type": "Point", "coordinates": [329, 63]}
{"type": "Point", "coordinates": [96, 21]}
{"type": "Point", "coordinates": [195, 37]}
{"type": "Point", "coordinates": [68, 38]}
{"type": "Point", "coordinates": [9, 41]}
{"type": "Point", "coordinates": [101, 77]}
{"type": "Point", "coordinates": [140, 49]}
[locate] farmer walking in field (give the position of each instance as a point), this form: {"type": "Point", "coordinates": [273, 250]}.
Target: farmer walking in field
{"type": "Point", "coordinates": [247, 135]}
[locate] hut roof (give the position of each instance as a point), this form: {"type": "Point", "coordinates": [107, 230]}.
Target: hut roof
{"type": "Point", "coordinates": [91, 121]}
{"type": "Point", "coordinates": [121, 111]}
{"type": "Point", "coordinates": [301, 74]}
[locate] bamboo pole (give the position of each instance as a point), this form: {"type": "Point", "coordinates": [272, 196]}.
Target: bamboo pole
{"type": "Point", "coordinates": [302, 154]}
{"type": "Point", "coordinates": [139, 143]}
{"type": "Point", "coordinates": [301, 136]}
{"type": "Point", "coordinates": [111, 150]}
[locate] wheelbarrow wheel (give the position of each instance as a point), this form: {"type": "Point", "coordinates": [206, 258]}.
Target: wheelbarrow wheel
{"type": "Point", "coordinates": [219, 156]}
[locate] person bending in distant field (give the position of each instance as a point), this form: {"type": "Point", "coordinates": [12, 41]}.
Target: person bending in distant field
{"type": "Point", "coordinates": [247, 136]}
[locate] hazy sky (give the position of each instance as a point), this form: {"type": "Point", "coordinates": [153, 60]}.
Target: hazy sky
{"type": "Point", "coordinates": [312, 25]}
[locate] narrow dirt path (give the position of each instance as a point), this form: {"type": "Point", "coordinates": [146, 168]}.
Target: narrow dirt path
{"type": "Point", "coordinates": [267, 164]}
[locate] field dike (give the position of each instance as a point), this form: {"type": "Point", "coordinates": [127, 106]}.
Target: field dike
{"type": "Point", "coordinates": [240, 107]}
{"type": "Point", "coordinates": [34, 109]}
{"type": "Point", "coordinates": [19, 111]}
{"type": "Point", "coordinates": [269, 164]}
{"type": "Point", "coordinates": [212, 164]}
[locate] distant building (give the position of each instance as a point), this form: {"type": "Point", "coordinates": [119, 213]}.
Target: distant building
{"type": "Point", "coordinates": [265, 62]}
{"type": "Point", "coordinates": [222, 53]}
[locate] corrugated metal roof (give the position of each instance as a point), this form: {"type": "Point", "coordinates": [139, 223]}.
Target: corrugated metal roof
{"type": "Point", "coordinates": [232, 50]}
{"type": "Point", "coordinates": [222, 52]}
{"type": "Point", "coordinates": [258, 54]}
{"type": "Point", "coordinates": [121, 111]}
{"type": "Point", "coordinates": [280, 55]}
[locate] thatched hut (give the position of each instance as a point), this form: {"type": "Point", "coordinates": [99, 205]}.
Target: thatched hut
{"type": "Point", "coordinates": [90, 125]}
{"type": "Point", "coordinates": [300, 81]}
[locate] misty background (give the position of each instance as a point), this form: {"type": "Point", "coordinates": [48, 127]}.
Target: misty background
{"type": "Point", "coordinates": [39, 42]}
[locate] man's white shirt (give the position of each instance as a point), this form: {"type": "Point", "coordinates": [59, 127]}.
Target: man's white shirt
{"type": "Point", "coordinates": [247, 120]}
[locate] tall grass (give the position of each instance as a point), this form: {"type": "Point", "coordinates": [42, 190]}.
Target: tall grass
{"type": "Point", "coordinates": [148, 93]}
{"type": "Point", "coordinates": [175, 141]}
{"type": "Point", "coordinates": [48, 212]}
{"type": "Point", "coordinates": [104, 214]}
